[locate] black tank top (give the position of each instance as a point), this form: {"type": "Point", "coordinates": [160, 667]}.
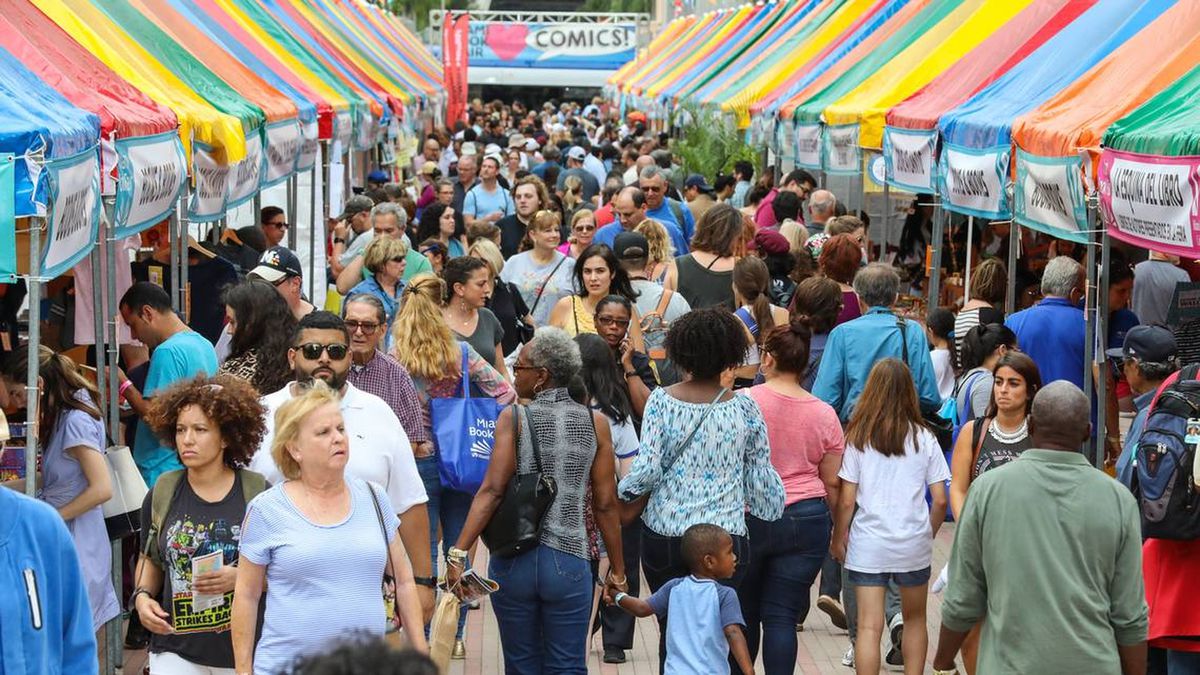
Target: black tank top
{"type": "Point", "coordinates": [701, 286]}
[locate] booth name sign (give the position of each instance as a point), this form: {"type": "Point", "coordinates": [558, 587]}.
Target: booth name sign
{"type": "Point", "coordinates": [597, 46]}
{"type": "Point", "coordinates": [1151, 201]}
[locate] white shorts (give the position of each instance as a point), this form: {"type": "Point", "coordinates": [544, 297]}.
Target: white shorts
{"type": "Point", "coordinates": [168, 663]}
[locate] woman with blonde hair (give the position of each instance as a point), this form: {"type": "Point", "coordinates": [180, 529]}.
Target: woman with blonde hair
{"type": "Point", "coordinates": [384, 258]}
{"type": "Point", "coordinates": [426, 347]}
{"type": "Point", "coordinates": [583, 232]}
{"type": "Point", "coordinates": [661, 258]}
{"type": "Point", "coordinates": [572, 195]}
{"type": "Point", "coordinates": [505, 301]}
{"type": "Point", "coordinates": [317, 540]}
{"type": "Point", "coordinates": [542, 274]}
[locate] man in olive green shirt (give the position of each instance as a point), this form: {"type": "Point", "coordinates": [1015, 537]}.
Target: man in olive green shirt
{"type": "Point", "coordinates": [1049, 552]}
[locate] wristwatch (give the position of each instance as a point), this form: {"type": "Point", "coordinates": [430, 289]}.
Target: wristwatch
{"type": "Point", "coordinates": [619, 597]}
{"type": "Point", "coordinates": [631, 373]}
{"type": "Point", "coordinates": [429, 582]}
{"type": "Point", "coordinates": [337, 240]}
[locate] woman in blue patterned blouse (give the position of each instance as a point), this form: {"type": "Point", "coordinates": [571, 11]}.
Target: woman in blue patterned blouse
{"type": "Point", "coordinates": [711, 475]}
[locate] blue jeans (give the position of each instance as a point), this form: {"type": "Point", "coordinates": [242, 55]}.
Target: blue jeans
{"type": "Point", "coordinates": [1183, 663]}
{"type": "Point", "coordinates": [888, 579]}
{"type": "Point", "coordinates": [448, 507]}
{"type": "Point", "coordinates": [542, 610]}
{"type": "Point", "coordinates": [785, 556]}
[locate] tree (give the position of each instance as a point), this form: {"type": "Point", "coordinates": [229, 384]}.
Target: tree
{"type": "Point", "coordinates": [709, 142]}
{"type": "Point", "coordinates": [418, 10]}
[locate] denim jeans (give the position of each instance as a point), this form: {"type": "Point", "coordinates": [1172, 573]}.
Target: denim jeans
{"type": "Point", "coordinates": [785, 556]}
{"type": "Point", "coordinates": [891, 603]}
{"type": "Point", "coordinates": [1183, 663]}
{"type": "Point", "coordinates": [448, 507]}
{"type": "Point", "coordinates": [831, 578]}
{"type": "Point", "coordinates": [542, 610]}
{"type": "Point", "coordinates": [662, 560]}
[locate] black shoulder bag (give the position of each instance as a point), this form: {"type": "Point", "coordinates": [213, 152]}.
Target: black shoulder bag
{"type": "Point", "coordinates": [517, 523]}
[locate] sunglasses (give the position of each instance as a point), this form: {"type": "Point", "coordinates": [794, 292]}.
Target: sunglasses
{"type": "Point", "coordinates": [585, 228]}
{"type": "Point", "coordinates": [367, 328]}
{"type": "Point", "coordinates": [283, 226]}
{"type": "Point", "coordinates": [312, 350]}
{"type": "Point", "coordinates": [398, 258]}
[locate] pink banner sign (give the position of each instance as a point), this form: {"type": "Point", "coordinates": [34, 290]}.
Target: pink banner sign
{"type": "Point", "coordinates": [1151, 201]}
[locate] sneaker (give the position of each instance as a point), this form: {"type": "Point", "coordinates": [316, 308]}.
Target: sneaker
{"type": "Point", "coordinates": [614, 655]}
{"type": "Point", "coordinates": [848, 657]}
{"type": "Point", "coordinates": [460, 651]}
{"type": "Point", "coordinates": [833, 608]}
{"type": "Point", "coordinates": [895, 657]}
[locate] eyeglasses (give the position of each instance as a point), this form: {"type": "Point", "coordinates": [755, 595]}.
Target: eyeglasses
{"type": "Point", "coordinates": [366, 327]}
{"type": "Point", "coordinates": [283, 226]}
{"type": "Point", "coordinates": [652, 188]}
{"type": "Point", "coordinates": [312, 351]}
{"type": "Point", "coordinates": [398, 258]}
{"type": "Point", "coordinates": [525, 366]}
{"type": "Point", "coordinates": [610, 321]}
{"type": "Point", "coordinates": [584, 228]}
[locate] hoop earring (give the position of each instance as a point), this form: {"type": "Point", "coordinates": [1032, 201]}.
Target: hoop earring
{"type": "Point", "coordinates": [537, 389]}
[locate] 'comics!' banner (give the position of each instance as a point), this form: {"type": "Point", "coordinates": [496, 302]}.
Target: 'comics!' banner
{"type": "Point", "coordinates": [597, 46]}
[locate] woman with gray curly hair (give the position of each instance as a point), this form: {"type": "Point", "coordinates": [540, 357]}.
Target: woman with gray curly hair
{"type": "Point", "coordinates": [544, 602]}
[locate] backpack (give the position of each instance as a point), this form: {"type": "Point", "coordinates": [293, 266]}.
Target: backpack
{"type": "Point", "coordinates": [1163, 472]}
{"type": "Point", "coordinates": [167, 485]}
{"type": "Point", "coordinates": [949, 410]}
{"type": "Point", "coordinates": [654, 332]}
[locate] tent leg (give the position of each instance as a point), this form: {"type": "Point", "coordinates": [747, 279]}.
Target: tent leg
{"type": "Point", "coordinates": [886, 218]}
{"type": "Point", "coordinates": [36, 225]}
{"type": "Point", "coordinates": [258, 208]}
{"type": "Point", "coordinates": [1089, 336]}
{"type": "Point", "coordinates": [970, 244]}
{"type": "Point", "coordinates": [111, 332]}
{"type": "Point", "coordinates": [173, 244]}
{"type": "Point", "coordinates": [312, 244]}
{"type": "Point", "coordinates": [292, 184]}
{"type": "Point", "coordinates": [1014, 247]}
{"type": "Point", "coordinates": [1102, 319]}
{"type": "Point", "coordinates": [184, 236]}
{"type": "Point", "coordinates": [935, 264]}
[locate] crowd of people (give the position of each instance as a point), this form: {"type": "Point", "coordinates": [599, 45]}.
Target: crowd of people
{"type": "Point", "coordinates": [716, 388]}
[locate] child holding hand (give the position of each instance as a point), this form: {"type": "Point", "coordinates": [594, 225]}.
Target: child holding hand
{"type": "Point", "coordinates": [704, 617]}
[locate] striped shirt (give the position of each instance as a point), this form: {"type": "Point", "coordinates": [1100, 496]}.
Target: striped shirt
{"type": "Point", "coordinates": [323, 581]}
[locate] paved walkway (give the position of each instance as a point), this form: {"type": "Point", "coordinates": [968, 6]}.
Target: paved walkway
{"type": "Point", "coordinates": [820, 648]}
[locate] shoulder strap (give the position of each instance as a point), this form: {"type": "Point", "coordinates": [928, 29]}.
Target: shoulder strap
{"type": "Point", "coordinates": [162, 494]}
{"type": "Point", "coordinates": [903, 339]}
{"type": "Point", "coordinates": [253, 483]}
{"type": "Point", "coordinates": [382, 528]}
{"type": "Point", "coordinates": [663, 301]}
{"type": "Point", "coordinates": [748, 319]}
{"type": "Point", "coordinates": [1191, 372]}
{"type": "Point", "coordinates": [465, 374]}
{"type": "Point", "coordinates": [977, 436]}
{"type": "Point", "coordinates": [542, 288]}
{"type": "Point", "coordinates": [677, 211]}
{"type": "Point", "coordinates": [533, 440]}
{"type": "Point", "coordinates": [666, 465]}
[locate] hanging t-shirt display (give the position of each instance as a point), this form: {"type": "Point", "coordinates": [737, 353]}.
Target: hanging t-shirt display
{"type": "Point", "coordinates": [207, 279]}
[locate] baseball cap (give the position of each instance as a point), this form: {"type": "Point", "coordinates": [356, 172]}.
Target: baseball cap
{"type": "Point", "coordinates": [468, 148]}
{"type": "Point", "coordinates": [576, 153]}
{"type": "Point", "coordinates": [428, 168]}
{"type": "Point", "coordinates": [516, 140]}
{"type": "Point", "coordinates": [377, 176]}
{"type": "Point", "coordinates": [531, 144]}
{"type": "Point", "coordinates": [276, 263]}
{"type": "Point", "coordinates": [630, 246]}
{"type": "Point", "coordinates": [1147, 343]}
{"type": "Point", "coordinates": [355, 205]}
{"type": "Point", "coordinates": [697, 181]}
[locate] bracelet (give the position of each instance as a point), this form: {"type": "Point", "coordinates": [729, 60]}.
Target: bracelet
{"type": "Point", "coordinates": [456, 554]}
{"type": "Point", "coordinates": [631, 373]}
{"type": "Point", "coordinates": [429, 582]}
{"type": "Point", "coordinates": [136, 592]}
{"type": "Point", "coordinates": [124, 388]}
{"type": "Point", "coordinates": [619, 597]}
{"type": "Point", "coordinates": [624, 580]}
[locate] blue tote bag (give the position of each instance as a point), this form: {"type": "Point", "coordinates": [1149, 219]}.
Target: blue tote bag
{"type": "Point", "coordinates": [465, 431]}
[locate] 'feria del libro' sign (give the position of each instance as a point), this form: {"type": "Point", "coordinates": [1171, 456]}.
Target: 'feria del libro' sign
{"type": "Point", "coordinates": [592, 46]}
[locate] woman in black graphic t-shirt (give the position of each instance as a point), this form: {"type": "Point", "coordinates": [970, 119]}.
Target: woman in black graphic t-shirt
{"type": "Point", "coordinates": [193, 517]}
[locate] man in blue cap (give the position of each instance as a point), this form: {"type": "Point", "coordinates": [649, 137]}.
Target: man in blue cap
{"type": "Point", "coordinates": [1148, 359]}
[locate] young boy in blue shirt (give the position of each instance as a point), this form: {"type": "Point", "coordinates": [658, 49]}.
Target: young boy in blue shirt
{"type": "Point", "coordinates": [705, 619]}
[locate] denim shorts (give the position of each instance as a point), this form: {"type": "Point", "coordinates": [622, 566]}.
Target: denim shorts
{"type": "Point", "coordinates": [902, 579]}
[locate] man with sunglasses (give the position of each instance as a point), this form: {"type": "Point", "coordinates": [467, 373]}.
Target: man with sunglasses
{"type": "Point", "coordinates": [673, 215]}
{"type": "Point", "coordinates": [274, 225]}
{"type": "Point", "coordinates": [379, 447]}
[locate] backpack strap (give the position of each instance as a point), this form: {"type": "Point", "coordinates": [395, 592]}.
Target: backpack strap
{"type": "Point", "coordinates": [161, 496]}
{"type": "Point", "coordinates": [677, 211]}
{"type": "Point", "coordinates": [747, 319]}
{"type": "Point", "coordinates": [1191, 372]}
{"type": "Point", "coordinates": [253, 483]}
{"type": "Point", "coordinates": [977, 436]}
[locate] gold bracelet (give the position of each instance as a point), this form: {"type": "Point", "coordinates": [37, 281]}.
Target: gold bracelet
{"type": "Point", "coordinates": [624, 580]}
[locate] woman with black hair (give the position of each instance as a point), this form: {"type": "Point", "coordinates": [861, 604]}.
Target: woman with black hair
{"type": "Point", "coordinates": [468, 285]}
{"type": "Point", "coordinates": [598, 274]}
{"type": "Point", "coordinates": [704, 456]}
{"type": "Point", "coordinates": [982, 348]}
{"type": "Point", "coordinates": [261, 326]}
{"type": "Point", "coordinates": [613, 319]}
{"type": "Point", "coordinates": [445, 224]}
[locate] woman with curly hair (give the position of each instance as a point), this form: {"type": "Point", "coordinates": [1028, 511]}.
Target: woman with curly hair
{"type": "Point", "coordinates": [194, 515]}
{"type": "Point", "coordinates": [661, 256]}
{"type": "Point", "coordinates": [445, 224]}
{"type": "Point", "coordinates": [260, 325]}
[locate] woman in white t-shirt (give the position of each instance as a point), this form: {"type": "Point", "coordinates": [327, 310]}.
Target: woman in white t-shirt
{"type": "Point", "coordinates": [889, 460]}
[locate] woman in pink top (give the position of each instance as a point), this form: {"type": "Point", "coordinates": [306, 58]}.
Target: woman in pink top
{"type": "Point", "coordinates": [785, 555]}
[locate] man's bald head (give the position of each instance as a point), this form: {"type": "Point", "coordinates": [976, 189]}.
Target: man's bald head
{"type": "Point", "coordinates": [643, 161]}
{"type": "Point", "coordinates": [1060, 418]}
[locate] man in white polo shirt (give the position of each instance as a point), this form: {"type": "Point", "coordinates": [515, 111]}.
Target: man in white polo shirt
{"type": "Point", "coordinates": [379, 449]}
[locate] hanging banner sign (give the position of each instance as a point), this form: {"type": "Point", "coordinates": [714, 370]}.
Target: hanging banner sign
{"type": "Point", "coordinates": [972, 181]}
{"type": "Point", "coordinates": [283, 149]}
{"type": "Point", "coordinates": [8, 219]}
{"type": "Point", "coordinates": [909, 157]}
{"type": "Point", "coordinates": [580, 46]}
{"type": "Point", "coordinates": [808, 145]}
{"type": "Point", "coordinates": [211, 180]}
{"type": "Point", "coordinates": [74, 214]}
{"type": "Point", "coordinates": [1150, 201]}
{"type": "Point", "coordinates": [364, 132]}
{"type": "Point", "coordinates": [151, 174]}
{"type": "Point", "coordinates": [1048, 196]}
{"type": "Point", "coordinates": [343, 130]}
{"type": "Point", "coordinates": [455, 57]}
{"type": "Point", "coordinates": [840, 153]}
{"type": "Point", "coordinates": [308, 146]}
{"type": "Point", "coordinates": [245, 177]}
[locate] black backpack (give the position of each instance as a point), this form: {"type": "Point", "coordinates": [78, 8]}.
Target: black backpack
{"type": "Point", "coordinates": [1162, 477]}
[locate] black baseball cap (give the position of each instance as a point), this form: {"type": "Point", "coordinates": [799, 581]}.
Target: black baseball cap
{"type": "Point", "coordinates": [276, 263]}
{"type": "Point", "coordinates": [1147, 343]}
{"type": "Point", "coordinates": [697, 181]}
{"type": "Point", "coordinates": [630, 246]}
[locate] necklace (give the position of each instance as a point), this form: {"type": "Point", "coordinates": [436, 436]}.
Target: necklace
{"type": "Point", "coordinates": [1009, 437]}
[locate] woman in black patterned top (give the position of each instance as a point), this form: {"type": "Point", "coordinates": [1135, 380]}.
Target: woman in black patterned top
{"type": "Point", "coordinates": [261, 326]}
